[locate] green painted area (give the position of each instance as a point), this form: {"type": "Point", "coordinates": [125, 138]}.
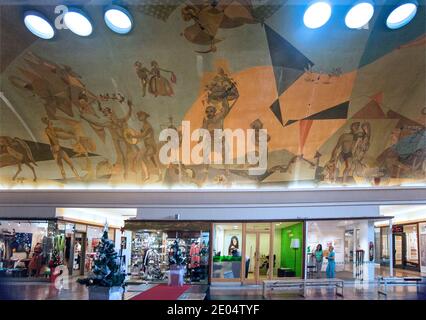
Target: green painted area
{"type": "Point", "coordinates": [287, 253]}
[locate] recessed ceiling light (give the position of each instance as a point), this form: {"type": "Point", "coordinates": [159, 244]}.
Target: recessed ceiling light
{"type": "Point", "coordinates": [118, 19]}
{"type": "Point", "coordinates": [317, 14]}
{"type": "Point", "coordinates": [401, 15]}
{"type": "Point", "coordinates": [78, 22]}
{"type": "Point", "coordinates": [38, 24]}
{"type": "Point", "coordinates": [359, 15]}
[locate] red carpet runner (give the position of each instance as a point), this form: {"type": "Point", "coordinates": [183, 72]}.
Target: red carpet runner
{"type": "Point", "coordinates": [162, 292]}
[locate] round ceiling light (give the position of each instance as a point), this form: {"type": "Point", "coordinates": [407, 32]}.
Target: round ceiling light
{"type": "Point", "coordinates": [38, 25]}
{"type": "Point", "coordinates": [359, 15]}
{"type": "Point", "coordinates": [118, 19]}
{"type": "Point", "coordinates": [401, 15]}
{"type": "Point", "coordinates": [78, 22]}
{"type": "Point", "coordinates": [317, 15]}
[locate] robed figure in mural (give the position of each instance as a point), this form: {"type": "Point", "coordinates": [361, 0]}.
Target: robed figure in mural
{"type": "Point", "coordinates": [158, 84]}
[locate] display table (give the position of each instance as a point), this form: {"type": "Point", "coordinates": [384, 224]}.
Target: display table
{"type": "Point", "coordinates": [285, 272]}
{"type": "Point", "coordinates": [176, 275]}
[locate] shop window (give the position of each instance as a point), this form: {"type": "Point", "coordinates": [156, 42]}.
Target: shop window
{"type": "Point", "coordinates": [412, 253]}
{"type": "Point", "coordinates": [227, 251]}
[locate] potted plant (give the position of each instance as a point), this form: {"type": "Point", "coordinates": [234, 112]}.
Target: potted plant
{"type": "Point", "coordinates": [106, 281]}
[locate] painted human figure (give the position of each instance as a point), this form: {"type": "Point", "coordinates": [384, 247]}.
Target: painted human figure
{"type": "Point", "coordinates": [143, 75]}
{"type": "Point", "coordinates": [55, 134]}
{"type": "Point", "coordinates": [222, 89]}
{"type": "Point", "coordinates": [159, 85]}
{"type": "Point", "coordinates": [342, 153]}
{"type": "Point", "coordinates": [116, 126]}
{"type": "Point", "coordinates": [215, 120]}
{"type": "Point", "coordinates": [150, 152]}
{"type": "Point", "coordinates": [362, 144]}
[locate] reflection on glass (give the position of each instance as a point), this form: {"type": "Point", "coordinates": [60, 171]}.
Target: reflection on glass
{"type": "Point", "coordinates": [227, 251]}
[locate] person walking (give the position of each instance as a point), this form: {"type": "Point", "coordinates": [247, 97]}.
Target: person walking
{"type": "Point", "coordinates": [331, 266]}
{"type": "Point", "coordinates": [318, 256]}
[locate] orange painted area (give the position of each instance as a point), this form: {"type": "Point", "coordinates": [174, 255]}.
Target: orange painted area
{"type": "Point", "coordinates": [257, 93]}
{"type": "Point", "coordinates": [305, 98]}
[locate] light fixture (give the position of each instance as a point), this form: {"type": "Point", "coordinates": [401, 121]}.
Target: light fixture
{"type": "Point", "coordinates": [317, 14]}
{"type": "Point", "coordinates": [118, 19]}
{"type": "Point", "coordinates": [359, 15]}
{"type": "Point", "coordinates": [401, 15]}
{"type": "Point", "coordinates": [78, 22]}
{"type": "Point", "coordinates": [38, 24]}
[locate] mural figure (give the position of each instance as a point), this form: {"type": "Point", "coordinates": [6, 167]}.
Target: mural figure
{"type": "Point", "coordinates": [143, 75]}
{"type": "Point", "coordinates": [55, 134]}
{"type": "Point", "coordinates": [15, 151]}
{"type": "Point", "coordinates": [362, 144]}
{"type": "Point", "coordinates": [150, 153]}
{"type": "Point", "coordinates": [210, 16]}
{"type": "Point", "coordinates": [222, 90]}
{"type": "Point", "coordinates": [343, 154]}
{"type": "Point", "coordinates": [117, 126]}
{"type": "Point", "coordinates": [159, 85]}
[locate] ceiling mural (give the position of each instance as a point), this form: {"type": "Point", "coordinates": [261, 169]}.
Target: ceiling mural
{"type": "Point", "coordinates": [340, 107]}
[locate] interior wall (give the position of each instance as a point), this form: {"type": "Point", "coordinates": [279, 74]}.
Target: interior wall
{"type": "Point", "coordinates": [289, 255]}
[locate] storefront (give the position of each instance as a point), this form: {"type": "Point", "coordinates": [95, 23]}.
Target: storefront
{"type": "Point", "coordinates": [27, 247]}
{"type": "Point", "coordinates": [217, 251]}
{"type": "Point", "coordinates": [159, 248]}
{"type": "Point", "coordinates": [406, 241]}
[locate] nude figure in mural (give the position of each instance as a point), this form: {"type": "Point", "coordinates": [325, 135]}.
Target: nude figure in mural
{"type": "Point", "coordinates": [54, 134]}
{"type": "Point", "coordinates": [117, 126]}
{"type": "Point", "coordinates": [342, 154]}
{"type": "Point", "coordinates": [143, 75]}
{"type": "Point", "coordinates": [150, 153]}
{"type": "Point", "coordinates": [159, 85]}
{"type": "Point", "coordinates": [15, 151]}
{"type": "Point", "coordinates": [214, 119]}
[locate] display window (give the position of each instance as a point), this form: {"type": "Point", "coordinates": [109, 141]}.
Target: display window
{"type": "Point", "coordinates": [27, 248]}
{"type": "Point", "coordinates": [170, 255]}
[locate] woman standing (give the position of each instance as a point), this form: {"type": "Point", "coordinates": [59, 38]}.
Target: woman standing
{"type": "Point", "coordinates": [318, 256]}
{"type": "Point", "coordinates": [331, 267]}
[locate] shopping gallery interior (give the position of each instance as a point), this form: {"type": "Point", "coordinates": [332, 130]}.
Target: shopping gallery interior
{"type": "Point", "coordinates": [212, 150]}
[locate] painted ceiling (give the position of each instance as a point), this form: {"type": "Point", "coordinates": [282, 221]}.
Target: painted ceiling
{"type": "Point", "coordinates": [341, 107]}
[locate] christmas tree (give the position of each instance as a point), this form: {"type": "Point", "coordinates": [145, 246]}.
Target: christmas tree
{"type": "Point", "coordinates": [107, 270]}
{"type": "Point", "coordinates": [176, 256]}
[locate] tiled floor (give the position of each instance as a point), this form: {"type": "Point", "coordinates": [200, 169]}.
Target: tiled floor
{"type": "Point", "coordinates": [352, 291]}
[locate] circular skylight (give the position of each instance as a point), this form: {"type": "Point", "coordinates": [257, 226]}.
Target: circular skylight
{"type": "Point", "coordinates": [359, 15]}
{"type": "Point", "coordinates": [77, 21]}
{"type": "Point", "coordinates": [118, 19]}
{"type": "Point", "coordinates": [38, 25]}
{"type": "Point", "coordinates": [317, 15]}
{"type": "Point", "coordinates": [401, 15]}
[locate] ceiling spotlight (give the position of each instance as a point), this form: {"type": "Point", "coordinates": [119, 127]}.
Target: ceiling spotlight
{"type": "Point", "coordinates": [401, 15]}
{"type": "Point", "coordinates": [317, 14]}
{"type": "Point", "coordinates": [38, 24]}
{"type": "Point", "coordinates": [359, 15]}
{"type": "Point", "coordinates": [78, 22]}
{"type": "Point", "coordinates": [118, 19]}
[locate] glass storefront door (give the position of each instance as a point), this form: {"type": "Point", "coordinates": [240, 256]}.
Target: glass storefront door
{"type": "Point", "coordinates": [257, 247]}
{"type": "Point", "coordinates": [399, 252]}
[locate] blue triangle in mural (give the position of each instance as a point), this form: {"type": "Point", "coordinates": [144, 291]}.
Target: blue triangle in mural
{"type": "Point", "coordinates": [288, 62]}
{"type": "Point", "coordinates": [276, 110]}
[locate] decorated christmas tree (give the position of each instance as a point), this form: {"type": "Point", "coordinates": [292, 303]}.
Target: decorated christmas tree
{"type": "Point", "coordinates": [107, 270]}
{"type": "Point", "coordinates": [176, 256]}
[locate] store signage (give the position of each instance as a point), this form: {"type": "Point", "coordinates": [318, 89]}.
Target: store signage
{"type": "Point", "coordinates": [397, 229]}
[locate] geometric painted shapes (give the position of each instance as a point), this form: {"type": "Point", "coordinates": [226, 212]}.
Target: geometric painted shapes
{"type": "Point", "coordinates": [276, 110]}
{"type": "Point", "coordinates": [285, 56]}
{"type": "Point", "coordinates": [337, 112]}
{"type": "Point", "coordinates": [372, 110]}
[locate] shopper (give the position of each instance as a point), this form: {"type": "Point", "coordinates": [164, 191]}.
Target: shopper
{"type": "Point", "coordinates": [318, 256]}
{"type": "Point", "coordinates": [331, 266]}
